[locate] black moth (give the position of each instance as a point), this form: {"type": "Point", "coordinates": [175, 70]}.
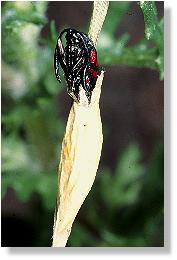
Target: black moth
{"type": "Point", "coordinates": [78, 59]}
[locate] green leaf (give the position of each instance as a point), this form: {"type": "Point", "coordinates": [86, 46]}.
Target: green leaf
{"type": "Point", "coordinates": [15, 156]}
{"type": "Point", "coordinates": [123, 187]}
{"type": "Point", "coordinates": [28, 183]}
{"type": "Point", "coordinates": [154, 31]}
{"type": "Point", "coordinates": [53, 31]}
{"type": "Point", "coordinates": [137, 56]}
{"type": "Point", "coordinates": [150, 18]}
{"type": "Point", "coordinates": [114, 16]}
{"type": "Point", "coordinates": [127, 180]}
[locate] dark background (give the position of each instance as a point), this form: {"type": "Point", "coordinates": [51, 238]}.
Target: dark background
{"type": "Point", "coordinates": [132, 104]}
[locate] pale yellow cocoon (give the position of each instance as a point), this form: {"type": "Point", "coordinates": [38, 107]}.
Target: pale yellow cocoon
{"type": "Point", "coordinates": [81, 151]}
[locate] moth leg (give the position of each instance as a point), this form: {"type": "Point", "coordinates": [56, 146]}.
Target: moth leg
{"type": "Point", "coordinates": [59, 59]}
{"type": "Point", "coordinates": [56, 64]}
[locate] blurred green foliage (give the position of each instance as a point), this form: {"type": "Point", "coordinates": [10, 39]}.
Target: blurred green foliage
{"type": "Point", "coordinates": [124, 207]}
{"type": "Point", "coordinates": [114, 51]}
{"type": "Point", "coordinates": [32, 130]}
